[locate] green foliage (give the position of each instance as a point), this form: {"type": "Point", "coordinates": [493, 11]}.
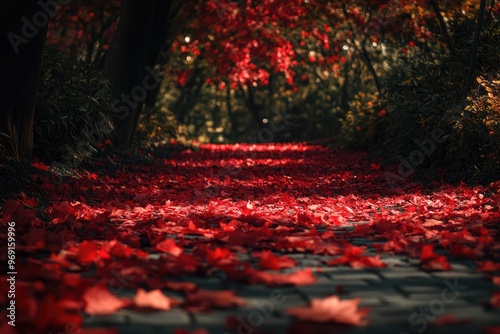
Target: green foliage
{"type": "Point", "coordinates": [156, 127]}
{"type": "Point", "coordinates": [8, 143]}
{"type": "Point", "coordinates": [474, 149]}
{"type": "Point", "coordinates": [424, 94]}
{"type": "Point", "coordinates": [72, 114]}
{"type": "Point", "coordinates": [417, 94]}
{"type": "Point", "coordinates": [361, 122]}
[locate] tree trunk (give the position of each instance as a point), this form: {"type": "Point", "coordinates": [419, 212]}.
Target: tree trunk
{"type": "Point", "coordinates": [442, 25]}
{"type": "Point", "coordinates": [255, 108]}
{"type": "Point", "coordinates": [233, 120]}
{"type": "Point", "coordinates": [142, 30]}
{"type": "Point", "coordinates": [475, 45]}
{"type": "Point", "coordinates": [22, 38]}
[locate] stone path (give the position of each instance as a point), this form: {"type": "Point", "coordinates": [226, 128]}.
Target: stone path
{"type": "Point", "coordinates": [403, 300]}
{"type": "Point", "coordinates": [249, 198]}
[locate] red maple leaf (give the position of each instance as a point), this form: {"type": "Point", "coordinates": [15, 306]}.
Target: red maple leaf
{"type": "Point", "coordinates": [198, 331]}
{"type": "Point", "coordinates": [181, 286]}
{"type": "Point", "coordinates": [450, 319]}
{"type": "Point", "coordinates": [52, 314]}
{"type": "Point", "coordinates": [5, 328]}
{"type": "Point", "coordinates": [269, 260]}
{"type": "Point", "coordinates": [177, 265]}
{"type": "Point", "coordinates": [89, 252]}
{"type": "Point", "coordinates": [99, 301]}
{"type": "Point", "coordinates": [168, 246]}
{"type": "Point", "coordinates": [495, 299]}
{"type": "Point", "coordinates": [161, 283]}
{"type": "Point", "coordinates": [300, 277]}
{"type": "Point", "coordinates": [154, 299]}
{"type": "Point", "coordinates": [29, 201]}
{"type": "Point", "coordinates": [34, 239]}
{"type": "Point", "coordinates": [432, 261]}
{"type": "Point", "coordinates": [99, 331]}
{"type": "Point", "coordinates": [488, 266]}
{"type": "Point", "coordinates": [72, 280]}
{"type": "Point", "coordinates": [353, 257]}
{"type": "Point", "coordinates": [254, 218]}
{"type": "Point", "coordinates": [332, 309]}
{"type": "Point", "coordinates": [192, 229]}
{"type": "Point", "coordinates": [231, 226]}
{"type": "Point", "coordinates": [491, 330]}
{"type": "Point", "coordinates": [216, 257]}
{"type": "Point", "coordinates": [240, 325]}
{"type": "Point", "coordinates": [60, 212]}
{"type": "Point", "coordinates": [204, 300]}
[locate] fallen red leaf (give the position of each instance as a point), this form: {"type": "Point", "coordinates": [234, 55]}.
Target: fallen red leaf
{"type": "Point", "coordinates": [181, 286]}
{"type": "Point", "coordinates": [204, 300]}
{"type": "Point", "coordinates": [154, 299]}
{"type": "Point", "coordinates": [169, 246]}
{"type": "Point", "coordinates": [488, 266]}
{"type": "Point", "coordinates": [491, 330]}
{"type": "Point", "coordinates": [116, 248]}
{"type": "Point", "coordinates": [300, 277]}
{"type": "Point", "coordinates": [99, 331]}
{"type": "Point", "coordinates": [240, 325]}
{"type": "Point", "coordinates": [269, 260]}
{"type": "Point", "coordinates": [432, 261]}
{"type": "Point", "coordinates": [495, 299]}
{"type": "Point", "coordinates": [5, 328]}
{"type": "Point", "coordinates": [89, 252]}
{"type": "Point", "coordinates": [450, 319]}
{"type": "Point", "coordinates": [332, 309]}
{"type": "Point", "coordinates": [198, 331]}
{"type": "Point", "coordinates": [353, 256]}
{"type": "Point", "coordinates": [205, 212]}
{"type": "Point", "coordinates": [99, 301]}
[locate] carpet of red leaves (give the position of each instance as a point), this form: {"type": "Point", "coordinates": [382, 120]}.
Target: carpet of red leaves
{"type": "Point", "coordinates": [145, 227]}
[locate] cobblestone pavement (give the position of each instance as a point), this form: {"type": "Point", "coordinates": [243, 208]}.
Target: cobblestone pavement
{"type": "Point", "coordinates": [250, 198]}
{"type": "Point", "coordinates": [403, 299]}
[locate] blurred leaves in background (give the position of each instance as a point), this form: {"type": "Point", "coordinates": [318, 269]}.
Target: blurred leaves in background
{"type": "Point", "coordinates": [357, 75]}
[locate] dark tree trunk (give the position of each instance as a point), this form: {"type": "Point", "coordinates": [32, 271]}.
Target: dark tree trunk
{"type": "Point", "coordinates": [364, 53]}
{"type": "Point", "coordinates": [371, 69]}
{"type": "Point", "coordinates": [343, 97]}
{"type": "Point", "coordinates": [22, 38]}
{"type": "Point", "coordinates": [475, 45]}
{"type": "Point", "coordinates": [233, 121]}
{"type": "Point", "coordinates": [255, 108]}
{"type": "Point", "coordinates": [442, 25]}
{"type": "Point", "coordinates": [142, 30]}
